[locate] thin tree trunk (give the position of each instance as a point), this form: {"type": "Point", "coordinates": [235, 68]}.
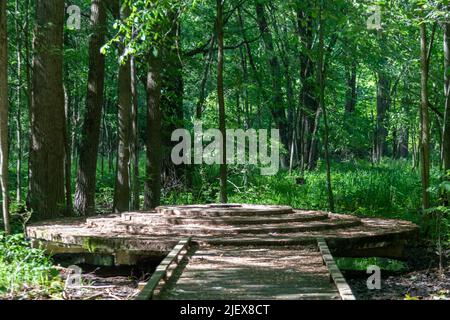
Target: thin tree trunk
{"type": "Point", "coordinates": [424, 119]}
{"type": "Point", "coordinates": [446, 125]}
{"type": "Point", "coordinates": [135, 137]}
{"type": "Point", "coordinates": [67, 155]}
{"type": "Point", "coordinates": [383, 102]}
{"type": "Point", "coordinates": [220, 96]}
{"type": "Point", "coordinates": [208, 62]}
{"type": "Point", "coordinates": [382, 108]}
{"type": "Point", "coordinates": [90, 132]}
{"type": "Point", "coordinates": [4, 116]}
{"type": "Point", "coordinates": [18, 109]}
{"type": "Point", "coordinates": [308, 103]}
{"type": "Point", "coordinates": [351, 95]}
{"type": "Point", "coordinates": [321, 77]}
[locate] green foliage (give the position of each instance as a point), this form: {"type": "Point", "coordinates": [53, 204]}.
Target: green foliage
{"type": "Point", "coordinates": [361, 264]}
{"type": "Point", "coordinates": [25, 269]}
{"type": "Point", "coordinates": [391, 189]}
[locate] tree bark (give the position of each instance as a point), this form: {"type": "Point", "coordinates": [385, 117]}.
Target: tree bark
{"type": "Point", "coordinates": [122, 190]}
{"type": "Point", "coordinates": [4, 116]}
{"type": "Point", "coordinates": [321, 80]}
{"type": "Point", "coordinates": [446, 133]}
{"type": "Point", "coordinates": [18, 108]}
{"type": "Point", "coordinates": [90, 132]}
{"type": "Point", "coordinates": [135, 138]}
{"type": "Point", "coordinates": [424, 118]}
{"type": "Point", "coordinates": [221, 98]}
{"type": "Point", "coordinates": [446, 123]}
{"type": "Point", "coordinates": [172, 101]}
{"type": "Point", "coordinates": [351, 95]}
{"type": "Point", "coordinates": [207, 68]}
{"type": "Point", "coordinates": [152, 197]}
{"type": "Point", "coordinates": [383, 104]}
{"type": "Point", "coordinates": [383, 88]}
{"type": "Point", "coordinates": [46, 191]}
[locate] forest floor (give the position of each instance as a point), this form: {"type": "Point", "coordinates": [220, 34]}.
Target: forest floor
{"type": "Point", "coordinates": [101, 284]}
{"type": "Point", "coordinates": [427, 284]}
{"type": "Point", "coordinates": [423, 280]}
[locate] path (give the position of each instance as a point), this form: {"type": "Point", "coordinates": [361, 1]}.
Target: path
{"type": "Point", "coordinates": [230, 273]}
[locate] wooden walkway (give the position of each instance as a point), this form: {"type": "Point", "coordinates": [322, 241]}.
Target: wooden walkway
{"type": "Point", "coordinates": [238, 251]}
{"type": "Point", "coordinates": [248, 273]}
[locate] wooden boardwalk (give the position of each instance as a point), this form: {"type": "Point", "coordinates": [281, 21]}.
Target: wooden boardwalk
{"type": "Point", "coordinates": [238, 251]}
{"type": "Point", "coordinates": [239, 273]}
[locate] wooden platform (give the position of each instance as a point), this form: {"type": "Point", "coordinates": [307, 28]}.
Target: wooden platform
{"type": "Point", "coordinates": [132, 236]}
{"type": "Point", "coordinates": [237, 252]}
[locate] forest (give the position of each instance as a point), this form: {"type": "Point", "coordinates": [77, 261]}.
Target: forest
{"type": "Point", "coordinates": [92, 91]}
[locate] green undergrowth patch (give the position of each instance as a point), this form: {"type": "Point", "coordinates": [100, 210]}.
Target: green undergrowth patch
{"type": "Point", "coordinates": [26, 272]}
{"type": "Point", "coordinates": [362, 264]}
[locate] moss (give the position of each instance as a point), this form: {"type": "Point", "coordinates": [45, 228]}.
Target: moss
{"type": "Point", "coordinates": [91, 244]}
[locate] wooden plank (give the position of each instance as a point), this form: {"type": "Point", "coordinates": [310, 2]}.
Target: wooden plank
{"type": "Point", "coordinates": [336, 275]}
{"type": "Point", "coordinates": [161, 271]}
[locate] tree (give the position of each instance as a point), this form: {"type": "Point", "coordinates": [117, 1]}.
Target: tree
{"type": "Point", "coordinates": [47, 151]}
{"type": "Point", "coordinates": [321, 83]}
{"type": "Point", "coordinates": [446, 134]}
{"type": "Point", "coordinates": [424, 116]}
{"type": "Point", "coordinates": [4, 116]}
{"type": "Point", "coordinates": [122, 188]}
{"type": "Point", "coordinates": [383, 102]}
{"type": "Point", "coordinates": [134, 165]}
{"type": "Point", "coordinates": [152, 197]}
{"type": "Point", "coordinates": [88, 150]}
{"type": "Point", "coordinates": [221, 100]}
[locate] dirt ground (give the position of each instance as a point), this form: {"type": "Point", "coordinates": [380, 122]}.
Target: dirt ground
{"type": "Point", "coordinates": [423, 281]}
{"type": "Point", "coordinates": [104, 284]}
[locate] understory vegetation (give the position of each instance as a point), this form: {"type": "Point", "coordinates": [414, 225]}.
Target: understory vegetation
{"type": "Point", "coordinates": [91, 92]}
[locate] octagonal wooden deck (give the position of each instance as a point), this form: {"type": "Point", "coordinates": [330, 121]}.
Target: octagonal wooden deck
{"type": "Point", "coordinates": [235, 247]}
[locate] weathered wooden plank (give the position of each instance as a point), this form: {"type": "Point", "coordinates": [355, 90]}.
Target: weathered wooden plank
{"type": "Point", "coordinates": [336, 275]}
{"type": "Point", "coordinates": [161, 271]}
{"type": "Point", "coordinates": [251, 273]}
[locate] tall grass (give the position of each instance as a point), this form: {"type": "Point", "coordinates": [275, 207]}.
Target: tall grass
{"type": "Point", "coordinates": [391, 189]}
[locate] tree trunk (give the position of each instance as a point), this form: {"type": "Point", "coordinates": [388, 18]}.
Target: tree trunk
{"type": "Point", "coordinates": [446, 124]}
{"type": "Point", "coordinates": [122, 187]}
{"type": "Point", "coordinates": [152, 197]}
{"type": "Point", "coordinates": [221, 98]}
{"type": "Point", "coordinates": [277, 103]}
{"type": "Point", "coordinates": [135, 138]}
{"type": "Point", "coordinates": [351, 95]}
{"type": "Point", "coordinates": [321, 80]}
{"type": "Point", "coordinates": [67, 156]}
{"type": "Point", "coordinates": [90, 132]}
{"type": "Point", "coordinates": [383, 88]}
{"type": "Point", "coordinates": [424, 119]}
{"type": "Point", "coordinates": [18, 109]}
{"type": "Point", "coordinates": [46, 191]}
{"type": "Point", "coordinates": [308, 104]}
{"type": "Point", "coordinates": [207, 69]}
{"type": "Point", "coordinates": [446, 134]}
{"type": "Point", "coordinates": [172, 102]}
{"type": "Point", "coordinates": [383, 104]}
{"type": "Point", "coordinates": [4, 116]}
